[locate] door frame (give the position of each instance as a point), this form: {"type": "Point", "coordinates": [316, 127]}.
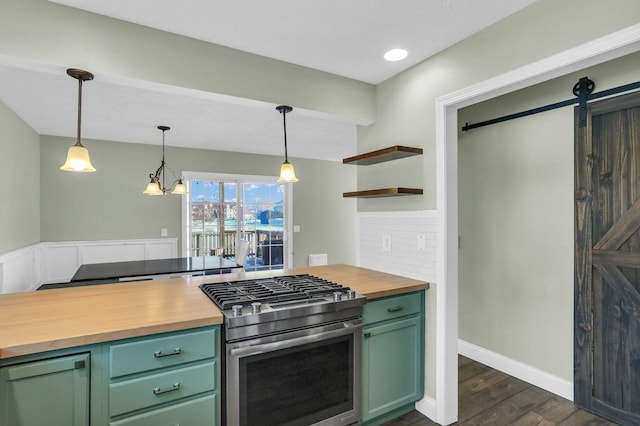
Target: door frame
{"type": "Point", "coordinates": [603, 49]}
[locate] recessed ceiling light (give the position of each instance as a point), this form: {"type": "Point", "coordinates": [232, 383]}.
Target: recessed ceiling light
{"type": "Point", "coordinates": [396, 55]}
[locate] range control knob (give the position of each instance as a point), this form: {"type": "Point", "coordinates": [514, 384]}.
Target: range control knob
{"type": "Point", "coordinates": [256, 307]}
{"type": "Point", "coordinates": [236, 310]}
{"type": "Point", "coordinates": [337, 296]}
{"type": "Point", "coordinates": [351, 294]}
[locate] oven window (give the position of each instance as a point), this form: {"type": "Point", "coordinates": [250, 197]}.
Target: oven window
{"type": "Point", "coordinates": [297, 386]}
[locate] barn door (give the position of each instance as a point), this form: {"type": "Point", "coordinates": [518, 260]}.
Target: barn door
{"type": "Point", "coordinates": [607, 260]}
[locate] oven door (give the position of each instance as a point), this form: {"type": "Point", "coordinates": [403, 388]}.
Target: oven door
{"type": "Point", "coordinates": [305, 377]}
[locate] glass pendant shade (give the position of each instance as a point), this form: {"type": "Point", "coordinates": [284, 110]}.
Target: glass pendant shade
{"type": "Point", "coordinates": [180, 188]}
{"type": "Point", "coordinates": [78, 160]}
{"type": "Point", "coordinates": [153, 189]}
{"type": "Point", "coordinates": [287, 174]}
{"type": "Point", "coordinates": [78, 156]}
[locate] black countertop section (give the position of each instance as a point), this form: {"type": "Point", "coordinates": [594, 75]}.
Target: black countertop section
{"type": "Point", "coordinates": [143, 268]}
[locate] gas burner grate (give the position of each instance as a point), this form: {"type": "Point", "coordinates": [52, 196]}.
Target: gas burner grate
{"type": "Point", "coordinates": [269, 290]}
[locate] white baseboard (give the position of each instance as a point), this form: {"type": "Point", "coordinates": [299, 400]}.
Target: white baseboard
{"type": "Point", "coordinates": [427, 406]}
{"type": "Point", "coordinates": [532, 375]}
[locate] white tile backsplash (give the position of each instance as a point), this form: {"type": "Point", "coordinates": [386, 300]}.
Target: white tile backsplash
{"type": "Point", "coordinates": [404, 258]}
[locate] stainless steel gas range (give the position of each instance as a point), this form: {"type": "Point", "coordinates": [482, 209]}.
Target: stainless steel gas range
{"type": "Point", "coordinates": [292, 351]}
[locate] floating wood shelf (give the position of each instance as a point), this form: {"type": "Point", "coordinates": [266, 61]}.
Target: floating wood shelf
{"type": "Point", "coordinates": [385, 192]}
{"type": "Point", "coordinates": [386, 154]}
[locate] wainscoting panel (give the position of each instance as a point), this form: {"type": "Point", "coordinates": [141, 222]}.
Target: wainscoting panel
{"type": "Point", "coordinates": [161, 248]}
{"type": "Point", "coordinates": [67, 256]}
{"type": "Point", "coordinates": [112, 253]}
{"type": "Point", "coordinates": [27, 268]}
{"type": "Point", "coordinates": [19, 270]}
{"type": "Point", "coordinates": [59, 263]}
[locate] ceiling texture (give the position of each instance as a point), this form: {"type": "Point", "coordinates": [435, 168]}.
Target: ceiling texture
{"type": "Point", "coordinates": [342, 37]}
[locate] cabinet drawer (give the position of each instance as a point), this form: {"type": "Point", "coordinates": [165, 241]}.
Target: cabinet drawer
{"type": "Point", "coordinates": [135, 357]}
{"type": "Point", "coordinates": [201, 411]}
{"type": "Point", "coordinates": [392, 307]}
{"type": "Point", "coordinates": [153, 389]}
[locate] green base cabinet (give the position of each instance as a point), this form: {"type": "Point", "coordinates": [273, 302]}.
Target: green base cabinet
{"type": "Point", "coordinates": [392, 356]}
{"type": "Point", "coordinates": [154, 380]}
{"type": "Point", "coordinates": [51, 392]}
{"type": "Point", "coordinates": [165, 379]}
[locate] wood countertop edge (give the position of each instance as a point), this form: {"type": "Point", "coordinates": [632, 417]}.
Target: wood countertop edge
{"type": "Point", "coordinates": [106, 336]}
{"type": "Point", "coordinates": [394, 292]}
{"type": "Point", "coordinates": [379, 288]}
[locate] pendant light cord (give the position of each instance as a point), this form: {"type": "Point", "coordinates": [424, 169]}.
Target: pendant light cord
{"type": "Point", "coordinates": [78, 143]}
{"type": "Point", "coordinates": [162, 165]}
{"type": "Point", "coordinates": [284, 122]}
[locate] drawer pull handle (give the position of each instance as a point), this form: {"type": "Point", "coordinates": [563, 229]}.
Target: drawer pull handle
{"type": "Point", "coordinates": [159, 354]}
{"type": "Point", "coordinates": [174, 387]}
{"type": "Point", "coordinates": [395, 309]}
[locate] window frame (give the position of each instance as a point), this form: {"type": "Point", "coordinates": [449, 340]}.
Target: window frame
{"type": "Point", "coordinates": [287, 231]}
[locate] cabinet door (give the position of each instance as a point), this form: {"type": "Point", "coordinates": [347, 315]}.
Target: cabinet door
{"type": "Point", "coordinates": [391, 362]}
{"type": "Point", "coordinates": [53, 392]}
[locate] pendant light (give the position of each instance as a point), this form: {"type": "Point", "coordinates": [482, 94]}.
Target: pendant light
{"type": "Point", "coordinates": [154, 187]}
{"type": "Point", "coordinates": [78, 156]}
{"type": "Point", "coordinates": [287, 174]}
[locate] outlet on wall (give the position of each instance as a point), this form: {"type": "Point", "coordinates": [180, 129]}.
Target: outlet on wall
{"type": "Point", "coordinates": [386, 242]}
{"type": "Point", "coordinates": [163, 232]}
{"type": "Point", "coordinates": [420, 242]}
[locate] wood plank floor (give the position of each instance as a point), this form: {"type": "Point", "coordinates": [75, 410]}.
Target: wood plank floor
{"type": "Point", "coordinates": [490, 397]}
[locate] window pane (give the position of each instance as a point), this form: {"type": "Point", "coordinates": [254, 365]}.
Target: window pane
{"type": "Point", "coordinates": [205, 213]}
{"type": "Point", "coordinates": [223, 213]}
{"type": "Point", "coordinates": [263, 225]}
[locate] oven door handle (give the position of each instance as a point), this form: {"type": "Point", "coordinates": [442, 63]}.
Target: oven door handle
{"type": "Point", "coordinates": [347, 328]}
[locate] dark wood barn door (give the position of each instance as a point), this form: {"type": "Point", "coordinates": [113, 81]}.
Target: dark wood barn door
{"type": "Point", "coordinates": [607, 260]}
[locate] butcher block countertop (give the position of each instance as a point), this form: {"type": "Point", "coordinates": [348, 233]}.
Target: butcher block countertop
{"type": "Point", "coordinates": [40, 321]}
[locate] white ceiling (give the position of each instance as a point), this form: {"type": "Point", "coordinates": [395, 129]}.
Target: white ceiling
{"type": "Point", "coordinates": [343, 37]}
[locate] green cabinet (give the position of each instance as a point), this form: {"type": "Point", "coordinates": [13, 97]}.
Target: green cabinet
{"type": "Point", "coordinates": [392, 356]}
{"type": "Point", "coordinates": [165, 379]}
{"type": "Point", "coordinates": [46, 393]}
{"type": "Point", "coordinates": [174, 378]}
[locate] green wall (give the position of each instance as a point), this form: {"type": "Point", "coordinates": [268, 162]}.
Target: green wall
{"type": "Point", "coordinates": [516, 222]}
{"type": "Point", "coordinates": [109, 203]}
{"type": "Point", "coordinates": [20, 178]}
{"type": "Point", "coordinates": [43, 31]}
{"type": "Point", "coordinates": [405, 114]}
{"type": "Point", "coordinates": [405, 104]}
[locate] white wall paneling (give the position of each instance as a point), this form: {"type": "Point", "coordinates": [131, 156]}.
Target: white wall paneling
{"type": "Point", "coordinates": [19, 269]}
{"type": "Point", "coordinates": [69, 255]}
{"type": "Point", "coordinates": [388, 242]}
{"type": "Point", "coordinates": [27, 268]}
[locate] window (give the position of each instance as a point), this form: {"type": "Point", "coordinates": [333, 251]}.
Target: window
{"type": "Point", "coordinates": [222, 210]}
